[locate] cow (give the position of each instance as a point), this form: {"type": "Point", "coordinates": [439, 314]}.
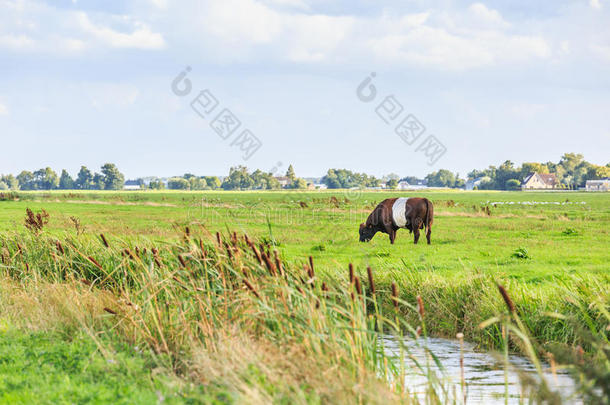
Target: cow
{"type": "Point", "coordinates": [394, 213]}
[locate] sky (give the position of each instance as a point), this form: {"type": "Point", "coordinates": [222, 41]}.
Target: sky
{"type": "Point", "coordinates": [89, 82]}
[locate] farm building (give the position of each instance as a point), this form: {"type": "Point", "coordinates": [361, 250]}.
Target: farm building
{"type": "Point", "coordinates": [284, 181]}
{"type": "Point", "coordinates": [132, 185]}
{"type": "Point", "coordinates": [598, 185]}
{"type": "Point", "coordinates": [472, 183]}
{"type": "Point", "coordinates": [537, 181]}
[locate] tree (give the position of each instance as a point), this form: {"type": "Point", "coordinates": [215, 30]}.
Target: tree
{"type": "Point", "coordinates": [113, 178]}
{"type": "Point", "coordinates": [65, 181]}
{"type": "Point", "coordinates": [343, 178]}
{"type": "Point", "coordinates": [26, 180]}
{"type": "Point", "coordinates": [46, 179]}
{"type": "Point", "coordinates": [84, 179]}
{"type": "Point", "coordinates": [513, 184]}
{"type": "Point", "coordinates": [442, 178]}
{"type": "Point", "coordinates": [3, 185]}
{"type": "Point", "coordinates": [299, 184]}
{"type": "Point", "coordinates": [197, 183]}
{"type": "Point", "coordinates": [156, 184]}
{"type": "Point", "coordinates": [213, 182]}
{"type": "Point", "coordinates": [532, 167]}
{"type": "Point", "coordinates": [98, 181]}
{"type": "Point", "coordinates": [290, 173]}
{"type": "Point", "coordinates": [259, 180]}
{"type": "Point", "coordinates": [505, 172]}
{"type": "Point", "coordinates": [392, 183]}
{"type": "Point", "coordinates": [10, 181]}
{"type": "Point", "coordinates": [238, 179]}
{"type": "Point", "coordinates": [178, 183]}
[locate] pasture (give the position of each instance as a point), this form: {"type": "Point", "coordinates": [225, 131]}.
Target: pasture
{"type": "Point", "coordinates": [550, 251]}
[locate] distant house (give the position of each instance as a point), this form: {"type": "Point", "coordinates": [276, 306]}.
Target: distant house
{"type": "Point", "coordinates": [403, 185]}
{"type": "Point", "coordinates": [539, 181]}
{"type": "Point", "coordinates": [132, 185]}
{"type": "Point", "coordinates": [284, 181]}
{"type": "Point", "coordinates": [598, 185]}
{"type": "Point", "coordinates": [320, 186]}
{"type": "Point", "coordinates": [472, 183]}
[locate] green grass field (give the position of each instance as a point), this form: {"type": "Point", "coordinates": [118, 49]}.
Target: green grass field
{"type": "Point", "coordinates": [563, 233]}
{"type": "Point", "coordinates": [549, 249]}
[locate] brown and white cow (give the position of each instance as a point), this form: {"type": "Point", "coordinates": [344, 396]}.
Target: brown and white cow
{"type": "Point", "coordinates": [395, 213]}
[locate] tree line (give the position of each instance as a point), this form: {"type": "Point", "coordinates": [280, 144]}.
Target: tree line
{"type": "Point", "coordinates": [239, 178]}
{"type": "Point", "coordinates": [572, 171]}
{"type": "Point", "coordinates": [109, 178]}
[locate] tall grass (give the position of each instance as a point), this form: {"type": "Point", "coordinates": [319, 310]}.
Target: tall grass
{"type": "Point", "coordinates": [227, 311]}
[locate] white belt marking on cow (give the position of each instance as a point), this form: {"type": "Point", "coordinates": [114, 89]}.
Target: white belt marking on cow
{"type": "Point", "coordinates": [399, 212]}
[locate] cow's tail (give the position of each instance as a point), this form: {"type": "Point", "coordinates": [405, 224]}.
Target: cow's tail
{"type": "Point", "coordinates": [429, 212]}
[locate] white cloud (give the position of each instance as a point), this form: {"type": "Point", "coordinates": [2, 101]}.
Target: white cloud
{"type": "Point", "coordinates": [141, 37]}
{"type": "Point", "coordinates": [596, 4]}
{"type": "Point", "coordinates": [18, 42]}
{"type": "Point", "coordinates": [3, 109]}
{"type": "Point", "coordinates": [488, 16]}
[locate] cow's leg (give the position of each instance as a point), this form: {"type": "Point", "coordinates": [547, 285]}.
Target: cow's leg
{"type": "Point", "coordinates": [392, 233]}
{"type": "Point", "coordinates": [428, 233]}
{"type": "Point", "coordinates": [416, 231]}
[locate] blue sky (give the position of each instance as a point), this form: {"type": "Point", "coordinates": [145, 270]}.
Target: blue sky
{"type": "Point", "coordinates": [89, 82]}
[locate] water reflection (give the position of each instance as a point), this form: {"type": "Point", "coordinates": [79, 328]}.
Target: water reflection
{"type": "Point", "coordinates": [483, 373]}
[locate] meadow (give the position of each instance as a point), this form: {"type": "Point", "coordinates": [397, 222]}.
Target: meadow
{"type": "Point", "coordinates": [548, 250]}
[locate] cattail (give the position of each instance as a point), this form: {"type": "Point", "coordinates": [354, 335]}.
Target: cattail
{"type": "Point", "coordinates": [92, 260]}
{"type": "Point", "coordinates": [104, 241]}
{"type": "Point", "coordinates": [278, 263]}
{"type": "Point", "coordinates": [155, 253]}
{"type": "Point", "coordinates": [181, 260]}
{"type": "Point", "coordinates": [202, 248]}
{"type": "Point", "coordinates": [234, 239]}
{"type": "Point", "coordinates": [395, 295]}
{"type": "Point", "coordinates": [418, 331]}
{"type": "Point", "coordinates": [257, 254]}
{"type": "Point", "coordinates": [129, 254]}
{"type": "Point", "coordinates": [251, 288]}
{"type": "Point", "coordinates": [270, 265]}
{"type": "Point", "coordinates": [228, 250]}
{"type": "Point", "coordinates": [218, 239]}
{"type": "Point", "coordinates": [351, 273]}
{"type": "Point", "coordinates": [420, 306]}
{"type": "Point", "coordinates": [85, 282]}
{"type": "Point", "coordinates": [507, 300]}
{"type": "Point", "coordinates": [358, 286]}
{"type": "Point", "coordinates": [20, 249]}
{"type": "Point", "coordinates": [311, 266]}
{"type": "Point", "coordinates": [137, 251]}
{"type": "Point", "coordinates": [59, 247]}
{"type": "Point", "coordinates": [187, 232]}
{"type": "Point", "coordinates": [177, 280]}
{"type": "Point", "coordinates": [144, 251]}
{"type": "Point", "coordinates": [110, 311]}
{"type": "Point", "coordinates": [27, 267]}
{"type": "Point", "coordinates": [324, 287]}
{"type": "Point", "coordinates": [247, 240]}
{"type": "Point", "coordinates": [369, 272]}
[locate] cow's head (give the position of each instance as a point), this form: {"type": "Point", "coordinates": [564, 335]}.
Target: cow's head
{"type": "Point", "coordinates": [367, 231]}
